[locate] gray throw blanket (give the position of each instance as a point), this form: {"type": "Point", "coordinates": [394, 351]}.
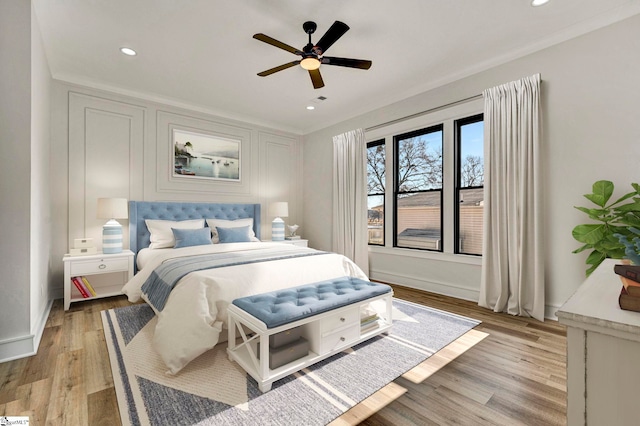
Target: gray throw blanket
{"type": "Point", "coordinates": [164, 278]}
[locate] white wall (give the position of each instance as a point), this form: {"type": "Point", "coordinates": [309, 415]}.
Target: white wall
{"type": "Point", "coordinates": [15, 151]}
{"type": "Point", "coordinates": [40, 190]}
{"type": "Point", "coordinates": [111, 145]}
{"type": "Point", "coordinates": [591, 131]}
{"type": "Point", "coordinates": [24, 210]}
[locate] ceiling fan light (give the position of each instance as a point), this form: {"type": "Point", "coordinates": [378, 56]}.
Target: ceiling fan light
{"type": "Point", "coordinates": [310, 64]}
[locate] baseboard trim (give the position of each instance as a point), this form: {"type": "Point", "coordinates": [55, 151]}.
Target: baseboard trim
{"type": "Point", "coordinates": [445, 289]}
{"type": "Point", "coordinates": [25, 346]}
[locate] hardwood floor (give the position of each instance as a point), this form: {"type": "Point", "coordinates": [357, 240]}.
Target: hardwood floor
{"type": "Point", "coordinates": [514, 376]}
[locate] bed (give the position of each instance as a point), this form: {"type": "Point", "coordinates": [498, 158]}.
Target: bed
{"type": "Point", "coordinates": [203, 279]}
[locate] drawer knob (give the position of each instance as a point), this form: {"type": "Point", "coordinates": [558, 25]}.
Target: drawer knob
{"type": "Point", "coordinates": [342, 319]}
{"type": "Point", "coordinates": [102, 266]}
{"type": "Point", "coordinates": [342, 339]}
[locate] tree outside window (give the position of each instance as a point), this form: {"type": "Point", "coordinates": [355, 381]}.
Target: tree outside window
{"type": "Point", "coordinates": [376, 168]}
{"type": "Point", "coordinates": [418, 200]}
{"type": "Point", "coordinates": [470, 186]}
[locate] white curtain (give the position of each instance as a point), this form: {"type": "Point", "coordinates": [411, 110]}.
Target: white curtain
{"type": "Point", "coordinates": [512, 262]}
{"type": "Point", "coordinates": [350, 197]}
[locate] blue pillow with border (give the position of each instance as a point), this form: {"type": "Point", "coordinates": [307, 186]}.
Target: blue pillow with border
{"type": "Point", "coordinates": [191, 237]}
{"type": "Point", "coordinates": [234, 235]}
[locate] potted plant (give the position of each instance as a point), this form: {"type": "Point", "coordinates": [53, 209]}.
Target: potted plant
{"type": "Point", "coordinates": [615, 220]}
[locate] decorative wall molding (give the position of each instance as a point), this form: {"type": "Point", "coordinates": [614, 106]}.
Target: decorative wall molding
{"type": "Point", "coordinates": [106, 141]}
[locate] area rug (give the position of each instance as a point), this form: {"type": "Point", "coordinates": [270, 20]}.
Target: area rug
{"type": "Point", "coordinates": [212, 390]}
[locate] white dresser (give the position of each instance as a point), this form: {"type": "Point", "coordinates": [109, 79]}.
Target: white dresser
{"type": "Point", "coordinates": [603, 353]}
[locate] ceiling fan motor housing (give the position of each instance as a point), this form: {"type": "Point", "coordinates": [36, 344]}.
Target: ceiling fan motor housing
{"type": "Point", "coordinates": [309, 27]}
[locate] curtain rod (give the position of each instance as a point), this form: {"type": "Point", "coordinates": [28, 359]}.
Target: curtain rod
{"type": "Point", "coordinates": [418, 114]}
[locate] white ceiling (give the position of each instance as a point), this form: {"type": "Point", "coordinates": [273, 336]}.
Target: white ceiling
{"type": "Point", "coordinates": [201, 54]}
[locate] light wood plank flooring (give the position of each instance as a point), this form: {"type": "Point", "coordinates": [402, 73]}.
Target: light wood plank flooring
{"type": "Point", "coordinates": [514, 376]}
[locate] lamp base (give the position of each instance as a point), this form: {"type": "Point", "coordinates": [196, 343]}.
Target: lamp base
{"type": "Point", "coordinates": [112, 237]}
{"type": "Point", "coordinates": [277, 229]}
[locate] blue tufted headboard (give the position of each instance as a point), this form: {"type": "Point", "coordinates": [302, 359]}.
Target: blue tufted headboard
{"type": "Point", "coordinates": [139, 236]}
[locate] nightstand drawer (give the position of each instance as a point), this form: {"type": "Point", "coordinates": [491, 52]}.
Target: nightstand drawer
{"type": "Point", "coordinates": [99, 266]}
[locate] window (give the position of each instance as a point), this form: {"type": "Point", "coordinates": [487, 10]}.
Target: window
{"type": "Point", "coordinates": [376, 176]}
{"type": "Point", "coordinates": [433, 167]}
{"type": "Point", "coordinates": [418, 189]}
{"type": "Point", "coordinates": [469, 184]}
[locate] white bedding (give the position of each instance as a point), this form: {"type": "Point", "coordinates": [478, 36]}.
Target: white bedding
{"type": "Point", "coordinates": [196, 310]}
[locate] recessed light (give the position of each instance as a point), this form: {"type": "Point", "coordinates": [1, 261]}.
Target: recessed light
{"type": "Point", "coordinates": [310, 107]}
{"type": "Point", "coordinates": [128, 51]}
{"type": "Point", "coordinates": [535, 3]}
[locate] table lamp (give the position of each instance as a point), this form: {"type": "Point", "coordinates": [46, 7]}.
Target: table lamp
{"type": "Point", "coordinates": [279, 210]}
{"type": "Point", "coordinates": [112, 209]}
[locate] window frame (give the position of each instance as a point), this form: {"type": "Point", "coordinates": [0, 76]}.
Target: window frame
{"type": "Point", "coordinates": [445, 114]}
{"type": "Point", "coordinates": [372, 144]}
{"type": "Point", "coordinates": [396, 190]}
{"type": "Point", "coordinates": [457, 128]}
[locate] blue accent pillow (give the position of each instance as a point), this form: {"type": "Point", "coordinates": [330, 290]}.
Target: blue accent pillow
{"type": "Point", "coordinates": [191, 237]}
{"type": "Point", "coordinates": [234, 235]}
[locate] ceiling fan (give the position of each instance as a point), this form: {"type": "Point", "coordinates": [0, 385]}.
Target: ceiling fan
{"type": "Point", "coordinates": [312, 54]}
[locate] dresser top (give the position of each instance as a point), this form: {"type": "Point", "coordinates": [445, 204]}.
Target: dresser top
{"type": "Point", "coordinates": [595, 305]}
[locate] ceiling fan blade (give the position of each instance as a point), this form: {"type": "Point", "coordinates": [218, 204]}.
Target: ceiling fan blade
{"type": "Point", "coordinates": [316, 79]}
{"type": "Point", "coordinates": [347, 62]}
{"type": "Point", "coordinates": [278, 68]}
{"type": "Point", "coordinates": [336, 31]}
{"type": "Point", "coordinates": [276, 43]}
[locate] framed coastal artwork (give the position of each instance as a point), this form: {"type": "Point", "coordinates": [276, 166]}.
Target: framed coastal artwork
{"type": "Point", "coordinates": [202, 156]}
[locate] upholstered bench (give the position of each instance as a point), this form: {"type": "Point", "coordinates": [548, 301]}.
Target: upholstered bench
{"type": "Point", "coordinates": [323, 318]}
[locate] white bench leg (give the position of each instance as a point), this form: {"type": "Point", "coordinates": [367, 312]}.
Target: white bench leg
{"type": "Point", "coordinates": [264, 357]}
{"type": "Point", "coordinates": [389, 318]}
{"type": "Point", "coordinates": [231, 340]}
{"type": "Point", "coordinates": [265, 387]}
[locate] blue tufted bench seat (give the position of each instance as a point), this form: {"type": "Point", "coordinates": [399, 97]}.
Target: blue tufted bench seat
{"type": "Point", "coordinates": [281, 307]}
{"type": "Point", "coordinates": [299, 326]}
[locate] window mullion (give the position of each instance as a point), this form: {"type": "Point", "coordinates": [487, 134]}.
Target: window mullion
{"type": "Point", "coordinates": [448, 187]}
{"type": "Point", "coordinates": [390, 192]}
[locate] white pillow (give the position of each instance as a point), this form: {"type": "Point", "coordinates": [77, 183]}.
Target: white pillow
{"type": "Point", "coordinates": [161, 233]}
{"type": "Point", "coordinates": [230, 224]}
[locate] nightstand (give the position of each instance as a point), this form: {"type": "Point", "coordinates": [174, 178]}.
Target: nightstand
{"type": "Point", "coordinates": [106, 273]}
{"type": "Point", "coordinates": [299, 242]}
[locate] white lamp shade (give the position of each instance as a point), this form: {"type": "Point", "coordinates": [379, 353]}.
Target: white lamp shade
{"type": "Point", "coordinates": [112, 208]}
{"type": "Point", "coordinates": [279, 209]}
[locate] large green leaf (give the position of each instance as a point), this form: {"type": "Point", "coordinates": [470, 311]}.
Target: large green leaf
{"type": "Point", "coordinates": [595, 258]}
{"type": "Point", "coordinates": [616, 253]}
{"type": "Point", "coordinates": [590, 233]}
{"type": "Point", "coordinates": [631, 207]}
{"type": "Point", "coordinates": [581, 249]}
{"type": "Point", "coordinates": [631, 220]}
{"type": "Point", "coordinates": [595, 214]}
{"type": "Point", "coordinates": [607, 245]}
{"type": "Point", "coordinates": [624, 197]}
{"type": "Point", "coordinates": [602, 191]}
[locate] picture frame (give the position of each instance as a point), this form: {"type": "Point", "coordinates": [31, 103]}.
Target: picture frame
{"type": "Point", "coordinates": [205, 156]}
